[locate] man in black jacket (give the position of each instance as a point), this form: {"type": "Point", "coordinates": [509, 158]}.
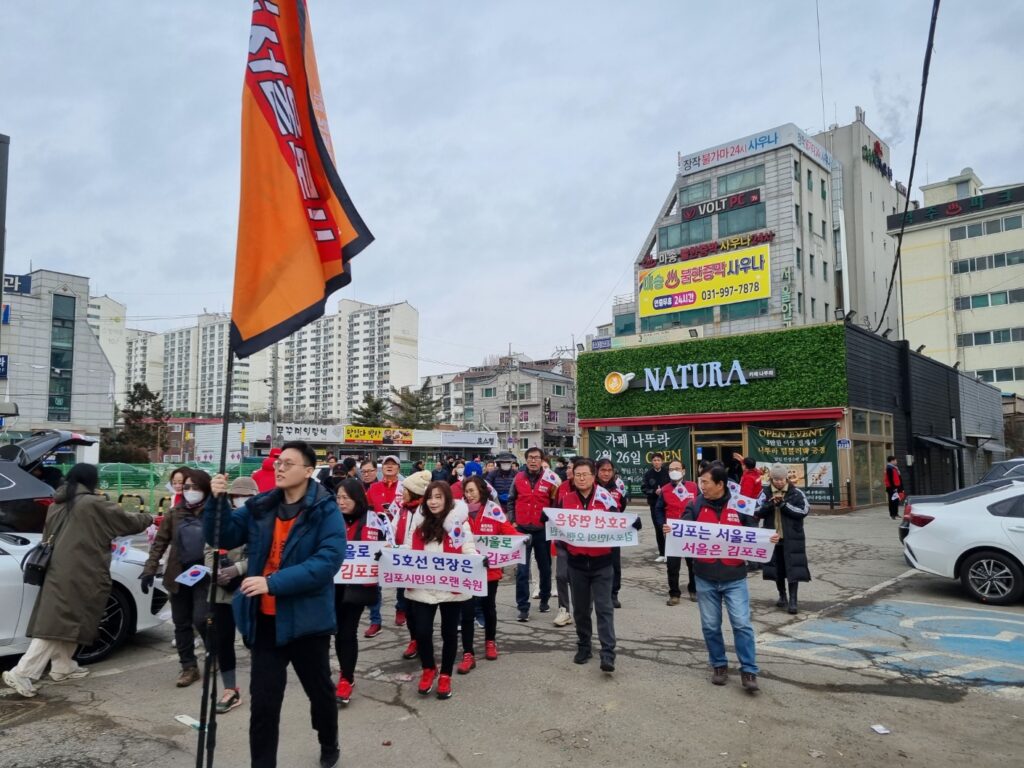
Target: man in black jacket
{"type": "Point", "coordinates": [654, 478]}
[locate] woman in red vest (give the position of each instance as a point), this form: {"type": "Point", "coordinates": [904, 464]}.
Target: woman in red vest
{"type": "Point", "coordinates": [402, 511]}
{"type": "Point", "coordinates": [486, 518]}
{"type": "Point", "coordinates": [438, 526]}
{"type": "Point", "coordinates": [671, 504]}
{"type": "Point", "coordinates": [351, 599]}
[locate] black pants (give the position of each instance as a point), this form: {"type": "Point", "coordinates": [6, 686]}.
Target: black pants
{"type": "Point", "coordinates": [894, 505]}
{"type": "Point", "coordinates": [189, 609]}
{"type": "Point", "coordinates": [616, 570]}
{"type": "Point", "coordinates": [675, 565]}
{"type": "Point", "coordinates": [490, 610]}
{"type": "Point", "coordinates": [310, 657]}
{"type": "Point", "coordinates": [659, 534]}
{"type": "Point", "coordinates": [541, 549]}
{"type": "Point", "coordinates": [592, 590]}
{"type": "Point", "coordinates": [346, 641]}
{"type": "Point", "coordinates": [224, 620]}
{"type": "Point", "coordinates": [425, 613]}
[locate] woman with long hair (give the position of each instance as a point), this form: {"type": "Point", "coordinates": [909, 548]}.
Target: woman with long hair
{"type": "Point", "coordinates": [413, 488]}
{"type": "Point", "coordinates": [439, 525]}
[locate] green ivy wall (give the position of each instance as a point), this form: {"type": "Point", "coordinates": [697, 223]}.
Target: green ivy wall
{"type": "Point", "coordinates": [809, 363]}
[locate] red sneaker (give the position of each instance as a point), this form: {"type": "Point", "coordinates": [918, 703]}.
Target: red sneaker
{"type": "Point", "coordinates": [372, 631]}
{"type": "Point", "coordinates": [468, 663]}
{"type": "Point", "coordinates": [399, 618]}
{"type": "Point", "coordinates": [410, 651]}
{"type": "Point", "coordinates": [344, 693]}
{"type": "Point", "coordinates": [444, 686]}
{"type": "Point", "coordinates": [427, 681]}
{"type": "Point", "coordinates": [490, 650]}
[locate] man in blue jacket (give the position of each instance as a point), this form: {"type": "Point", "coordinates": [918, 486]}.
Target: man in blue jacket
{"type": "Point", "coordinates": [285, 608]}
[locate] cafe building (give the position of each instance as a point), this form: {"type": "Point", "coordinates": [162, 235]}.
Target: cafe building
{"type": "Point", "coordinates": [830, 401]}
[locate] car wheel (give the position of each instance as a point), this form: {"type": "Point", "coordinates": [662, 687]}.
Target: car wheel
{"type": "Point", "coordinates": [992, 577]}
{"type": "Point", "coordinates": [115, 626]}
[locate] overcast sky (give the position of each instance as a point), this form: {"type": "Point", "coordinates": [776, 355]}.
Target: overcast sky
{"type": "Point", "coordinates": [509, 157]}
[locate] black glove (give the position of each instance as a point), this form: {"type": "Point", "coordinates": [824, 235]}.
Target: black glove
{"type": "Point", "coordinates": [147, 582]}
{"type": "Point", "coordinates": [543, 517]}
{"type": "Point", "coordinates": [637, 524]}
{"type": "Point", "coordinates": [377, 554]}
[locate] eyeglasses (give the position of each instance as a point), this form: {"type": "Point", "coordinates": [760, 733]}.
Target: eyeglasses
{"type": "Point", "coordinates": [287, 465]}
{"type": "Point", "coordinates": [190, 487]}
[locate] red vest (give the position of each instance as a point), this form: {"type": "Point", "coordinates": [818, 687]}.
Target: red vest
{"type": "Point", "coordinates": [487, 526]}
{"type": "Point", "coordinates": [572, 501]}
{"type": "Point", "coordinates": [531, 500]}
{"type": "Point", "coordinates": [729, 517]}
{"type": "Point", "coordinates": [447, 544]}
{"type": "Point", "coordinates": [750, 483]}
{"type": "Point", "coordinates": [564, 490]}
{"type": "Point", "coordinates": [381, 494]}
{"type": "Point", "coordinates": [457, 489]}
{"type": "Point", "coordinates": [402, 521]}
{"type": "Point", "coordinates": [897, 480]}
{"type": "Point", "coordinates": [358, 530]}
{"type": "Point", "coordinates": [674, 506]}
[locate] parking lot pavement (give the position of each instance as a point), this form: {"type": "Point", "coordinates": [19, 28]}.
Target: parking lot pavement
{"type": "Point", "coordinates": [905, 650]}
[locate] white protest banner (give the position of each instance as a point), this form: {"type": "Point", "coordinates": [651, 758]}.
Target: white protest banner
{"type": "Point", "coordinates": [691, 539]}
{"type": "Point", "coordinates": [591, 527]}
{"type": "Point", "coordinates": [360, 566]}
{"type": "Point", "coordinates": [413, 568]}
{"type": "Point", "coordinates": [192, 576]}
{"type": "Point", "coordinates": [502, 550]}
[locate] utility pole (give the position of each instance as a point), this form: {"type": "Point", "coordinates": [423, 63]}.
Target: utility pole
{"type": "Point", "coordinates": [5, 145]}
{"type": "Point", "coordinates": [572, 350]}
{"type": "Point", "coordinates": [273, 394]}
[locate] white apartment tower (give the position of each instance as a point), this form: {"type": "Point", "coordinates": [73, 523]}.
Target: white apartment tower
{"type": "Point", "coordinates": [144, 359]}
{"type": "Point", "coordinates": [106, 317]}
{"type": "Point", "coordinates": [381, 351]}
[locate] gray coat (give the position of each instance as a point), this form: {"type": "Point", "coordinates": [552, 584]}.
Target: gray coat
{"type": "Point", "coordinates": [74, 595]}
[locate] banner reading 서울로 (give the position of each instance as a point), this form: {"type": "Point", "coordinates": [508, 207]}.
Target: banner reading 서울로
{"type": "Point", "coordinates": [727, 278]}
{"type": "Point", "coordinates": [740, 542]}
{"type": "Point", "coordinates": [809, 454]}
{"type": "Point", "coordinates": [631, 452]}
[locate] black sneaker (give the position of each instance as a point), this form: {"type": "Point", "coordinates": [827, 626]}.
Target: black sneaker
{"type": "Point", "coordinates": [615, 602]}
{"type": "Point", "coordinates": [607, 666]}
{"type": "Point", "coordinates": [523, 616]}
{"type": "Point", "coordinates": [544, 606]}
{"type": "Point", "coordinates": [329, 757]}
{"type": "Point", "coordinates": [583, 655]}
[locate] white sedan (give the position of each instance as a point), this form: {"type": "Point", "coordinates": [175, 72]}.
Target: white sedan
{"type": "Point", "coordinates": [975, 535]}
{"type": "Point", "coordinates": [128, 610]}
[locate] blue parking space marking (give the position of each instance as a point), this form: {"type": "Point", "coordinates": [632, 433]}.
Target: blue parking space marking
{"type": "Point", "coordinates": [981, 647]}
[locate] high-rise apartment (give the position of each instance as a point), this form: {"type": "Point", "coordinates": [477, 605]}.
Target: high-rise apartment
{"type": "Point", "coordinates": [106, 317]}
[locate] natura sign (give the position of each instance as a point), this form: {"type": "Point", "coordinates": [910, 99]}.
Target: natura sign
{"type": "Point", "coordinates": [682, 376]}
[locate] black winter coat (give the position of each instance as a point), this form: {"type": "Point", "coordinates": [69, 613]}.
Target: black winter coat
{"type": "Point", "coordinates": [794, 544]}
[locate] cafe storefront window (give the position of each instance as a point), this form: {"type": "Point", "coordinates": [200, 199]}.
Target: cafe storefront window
{"type": "Point", "coordinates": [872, 442]}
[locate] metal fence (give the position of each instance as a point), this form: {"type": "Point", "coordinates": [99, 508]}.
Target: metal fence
{"type": "Point", "coordinates": [147, 484]}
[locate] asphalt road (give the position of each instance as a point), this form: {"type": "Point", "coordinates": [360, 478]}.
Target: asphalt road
{"type": "Point", "coordinates": [873, 644]}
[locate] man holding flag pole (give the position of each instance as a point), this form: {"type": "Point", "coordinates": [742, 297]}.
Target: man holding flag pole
{"type": "Point", "coordinates": [297, 232]}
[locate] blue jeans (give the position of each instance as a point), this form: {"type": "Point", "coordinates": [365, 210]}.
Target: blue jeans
{"type": "Point", "coordinates": [375, 617]}
{"type": "Point", "coordinates": [710, 596]}
{"type": "Point", "coordinates": [541, 550]}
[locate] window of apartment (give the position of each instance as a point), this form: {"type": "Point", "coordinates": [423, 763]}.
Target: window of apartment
{"type": "Point", "coordinates": [1002, 336]}
{"type": "Point", "coordinates": [685, 233]}
{"type": "Point", "coordinates": [823, 195]}
{"type": "Point", "coordinates": [685, 318]}
{"type": "Point", "coordinates": [982, 337]}
{"type": "Point", "coordinates": [748, 178]}
{"type": "Point", "coordinates": [823, 229]}
{"type": "Point", "coordinates": [741, 220]}
{"type": "Point", "coordinates": [974, 230]}
{"type": "Point", "coordinates": [489, 392]}
{"type": "Point", "coordinates": [695, 193]}
{"type": "Point", "coordinates": [796, 213]}
{"type": "Point", "coordinates": [1012, 222]}
{"type": "Point", "coordinates": [810, 263]}
{"type": "Point", "coordinates": [796, 170]}
{"type": "Point", "coordinates": [468, 415]}
{"type": "Point", "coordinates": [993, 227]}
{"type": "Point", "coordinates": [963, 189]}
{"type": "Point", "coordinates": [744, 309]}
{"type": "Point", "coordinates": [799, 302]}
{"type": "Point", "coordinates": [957, 233]}
{"type": "Point", "coordinates": [810, 222]}
{"type": "Point", "coordinates": [824, 271]}
{"type": "Point", "coordinates": [979, 301]}
{"type": "Point", "coordinates": [810, 180]}
{"type": "Point", "coordinates": [524, 391]}
{"type": "Point", "coordinates": [625, 325]}
{"type": "Point", "coordinates": [558, 390]}
{"type": "Point", "coordinates": [62, 348]}
{"type": "Point", "coordinates": [827, 317]}
{"type": "Point", "coordinates": [799, 258]}
{"type": "Point", "coordinates": [813, 302]}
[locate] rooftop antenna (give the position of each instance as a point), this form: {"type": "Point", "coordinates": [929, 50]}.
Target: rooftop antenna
{"type": "Point", "coordinates": [821, 73]}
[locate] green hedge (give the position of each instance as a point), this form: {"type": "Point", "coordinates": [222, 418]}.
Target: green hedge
{"type": "Point", "coordinates": [809, 363]}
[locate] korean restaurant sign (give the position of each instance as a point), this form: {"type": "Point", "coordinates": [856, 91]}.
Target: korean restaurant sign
{"type": "Point", "coordinates": [754, 145]}
{"type": "Point", "coordinates": [740, 275]}
{"type": "Point", "coordinates": [977, 204]}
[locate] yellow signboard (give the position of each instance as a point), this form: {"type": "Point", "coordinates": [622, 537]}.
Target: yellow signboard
{"type": "Point", "coordinates": [378, 435]}
{"type": "Point", "coordinates": [728, 278]}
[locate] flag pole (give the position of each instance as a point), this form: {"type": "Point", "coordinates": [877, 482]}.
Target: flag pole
{"type": "Point", "coordinates": [207, 740]}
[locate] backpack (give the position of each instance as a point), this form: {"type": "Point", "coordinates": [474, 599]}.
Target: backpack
{"type": "Point", "coordinates": [190, 541]}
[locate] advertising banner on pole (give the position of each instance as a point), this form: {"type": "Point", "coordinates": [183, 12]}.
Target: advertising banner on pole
{"type": "Point", "coordinates": [631, 451]}
{"type": "Point", "coordinates": [809, 454]}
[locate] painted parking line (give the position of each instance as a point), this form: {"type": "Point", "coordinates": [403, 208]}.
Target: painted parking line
{"type": "Point", "coordinates": [977, 647]}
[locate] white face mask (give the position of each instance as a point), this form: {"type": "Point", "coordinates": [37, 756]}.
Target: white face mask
{"type": "Point", "coordinates": [505, 467]}
{"type": "Point", "coordinates": [459, 471]}
{"type": "Point", "coordinates": [238, 502]}
{"type": "Point", "coordinates": [675, 475]}
{"type": "Point", "coordinates": [193, 497]}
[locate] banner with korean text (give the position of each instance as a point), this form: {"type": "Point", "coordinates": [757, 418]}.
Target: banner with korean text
{"type": "Point", "coordinates": [592, 527]}
{"type": "Point", "coordinates": [442, 571]}
{"type": "Point", "coordinates": [378, 435]}
{"type": "Point", "coordinates": [691, 539]}
{"type": "Point", "coordinates": [360, 566]}
{"type": "Point", "coordinates": [728, 278]}
{"type": "Point", "coordinates": [809, 454]}
{"type": "Point", "coordinates": [502, 551]}
{"type": "Point", "coordinates": [631, 452]}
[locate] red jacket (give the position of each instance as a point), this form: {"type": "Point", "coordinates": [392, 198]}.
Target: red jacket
{"type": "Point", "coordinates": [264, 476]}
{"type": "Point", "coordinates": [381, 494]}
{"type": "Point", "coordinates": [750, 483]}
{"type": "Point", "coordinates": [729, 517]}
{"type": "Point", "coordinates": [893, 480]}
{"type": "Point", "coordinates": [674, 506]}
{"type": "Point", "coordinates": [573, 501]}
{"type": "Point", "coordinates": [528, 501]}
{"type": "Point", "coordinates": [564, 490]}
{"type": "Point", "coordinates": [482, 525]}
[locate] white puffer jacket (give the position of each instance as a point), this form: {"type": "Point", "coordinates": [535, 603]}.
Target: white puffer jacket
{"type": "Point", "coordinates": [457, 517]}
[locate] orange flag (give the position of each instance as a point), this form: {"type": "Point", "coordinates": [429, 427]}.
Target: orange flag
{"type": "Point", "coordinates": [297, 227]}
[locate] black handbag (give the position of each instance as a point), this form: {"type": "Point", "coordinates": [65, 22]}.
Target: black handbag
{"type": "Point", "coordinates": [37, 560]}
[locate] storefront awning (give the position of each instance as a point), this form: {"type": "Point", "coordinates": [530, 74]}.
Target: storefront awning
{"type": "Point", "coordinates": [994, 447]}
{"type": "Point", "coordinates": [947, 443]}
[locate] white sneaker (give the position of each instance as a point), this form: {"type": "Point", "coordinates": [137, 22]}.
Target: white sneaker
{"type": "Point", "coordinates": [22, 685]}
{"type": "Point", "coordinates": [536, 594]}
{"type": "Point", "coordinates": [661, 559]}
{"type": "Point", "coordinates": [563, 618]}
{"type": "Point", "coordinates": [76, 674]}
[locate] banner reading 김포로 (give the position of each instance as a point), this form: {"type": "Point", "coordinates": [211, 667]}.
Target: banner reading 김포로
{"type": "Point", "coordinates": [413, 568]}
{"type": "Point", "coordinates": [809, 454]}
{"type": "Point", "coordinates": [737, 542]}
{"type": "Point", "coordinates": [360, 566]}
{"type": "Point", "coordinates": [591, 527]}
{"type": "Point", "coordinates": [631, 451]}
{"type": "Point", "coordinates": [502, 551]}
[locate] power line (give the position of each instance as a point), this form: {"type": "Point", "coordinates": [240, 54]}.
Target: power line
{"type": "Point", "coordinates": [913, 160]}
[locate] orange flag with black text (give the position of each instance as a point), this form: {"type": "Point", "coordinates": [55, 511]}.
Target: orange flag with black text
{"type": "Point", "coordinates": [297, 227]}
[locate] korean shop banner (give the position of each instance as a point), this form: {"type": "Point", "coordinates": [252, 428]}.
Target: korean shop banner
{"type": "Point", "coordinates": [809, 454]}
{"type": "Point", "coordinates": [732, 277]}
{"type": "Point", "coordinates": [378, 435]}
{"type": "Point", "coordinates": [631, 452]}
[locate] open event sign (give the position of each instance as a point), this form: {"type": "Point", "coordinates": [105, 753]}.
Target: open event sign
{"type": "Point", "coordinates": [732, 277]}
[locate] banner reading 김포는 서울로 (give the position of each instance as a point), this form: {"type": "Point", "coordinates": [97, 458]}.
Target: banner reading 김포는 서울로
{"type": "Point", "coordinates": [809, 454]}
{"type": "Point", "coordinates": [738, 542]}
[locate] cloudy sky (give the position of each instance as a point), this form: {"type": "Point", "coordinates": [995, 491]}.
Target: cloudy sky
{"type": "Point", "coordinates": [509, 157]}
